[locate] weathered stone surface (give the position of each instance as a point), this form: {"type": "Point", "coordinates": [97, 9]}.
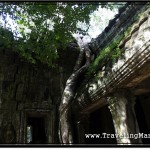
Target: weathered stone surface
{"type": "Point", "coordinates": [124, 118]}
{"type": "Point", "coordinates": [117, 26]}
{"type": "Point", "coordinates": [130, 68]}
{"type": "Point", "coordinates": [28, 89]}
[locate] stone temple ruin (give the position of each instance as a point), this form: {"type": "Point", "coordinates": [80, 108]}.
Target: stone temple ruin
{"type": "Point", "coordinates": [114, 99]}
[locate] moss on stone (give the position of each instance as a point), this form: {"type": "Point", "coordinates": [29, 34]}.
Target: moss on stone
{"type": "Point", "coordinates": [111, 53]}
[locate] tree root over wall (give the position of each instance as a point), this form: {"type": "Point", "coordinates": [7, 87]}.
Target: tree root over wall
{"type": "Point", "coordinates": [65, 128]}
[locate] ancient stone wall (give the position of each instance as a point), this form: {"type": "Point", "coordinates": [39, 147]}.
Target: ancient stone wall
{"type": "Point", "coordinates": [113, 84]}
{"type": "Point", "coordinates": [27, 89]}
{"type": "Point", "coordinates": [135, 51]}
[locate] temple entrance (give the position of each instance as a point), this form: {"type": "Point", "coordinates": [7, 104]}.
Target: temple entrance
{"type": "Point", "coordinates": [142, 110]}
{"type": "Point", "coordinates": [101, 122]}
{"type": "Point", "coordinates": [36, 130]}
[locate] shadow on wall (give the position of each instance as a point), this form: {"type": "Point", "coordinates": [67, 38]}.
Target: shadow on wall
{"type": "Point", "coordinates": [8, 135]}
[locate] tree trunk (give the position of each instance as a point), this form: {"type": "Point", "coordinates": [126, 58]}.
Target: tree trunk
{"type": "Point", "coordinates": [65, 128]}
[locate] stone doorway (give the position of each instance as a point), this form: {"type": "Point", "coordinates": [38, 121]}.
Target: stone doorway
{"type": "Point", "coordinates": [37, 113]}
{"type": "Point", "coordinates": [36, 130]}
{"type": "Point", "coordinates": [101, 122]}
{"type": "Point", "coordinates": [142, 113]}
{"type": "Point", "coordinates": [39, 120]}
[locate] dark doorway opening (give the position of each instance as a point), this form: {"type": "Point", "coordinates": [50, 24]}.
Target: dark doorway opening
{"type": "Point", "coordinates": [36, 130]}
{"type": "Point", "coordinates": [142, 112]}
{"type": "Point", "coordinates": [101, 122]}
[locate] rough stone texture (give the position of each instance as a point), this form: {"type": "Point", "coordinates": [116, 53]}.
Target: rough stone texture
{"type": "Point", "coordinates": [28, 90]}
{"type": "Point", "coordinates": [35, 90]}
{"type": "Point", "coordinates": [117, 25]}
{"type": "Point", "coordinates": [129, 70]}
{"type": "Point", "coordinates": [124, 118]}
{"type": "Point", "coordinates": [125, 75]}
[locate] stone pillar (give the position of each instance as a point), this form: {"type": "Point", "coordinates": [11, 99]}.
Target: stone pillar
{"type": "Point", "coordinates": [132, 124]}
{"type": "Point", "coordinates": [121, 105]}
{"type": "Point", "coordinates": [83, 128]}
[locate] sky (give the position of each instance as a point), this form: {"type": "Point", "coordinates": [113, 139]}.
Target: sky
{"type": "Point", "coordinates": [99, 19]}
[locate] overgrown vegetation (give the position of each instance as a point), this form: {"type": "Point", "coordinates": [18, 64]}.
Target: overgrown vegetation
{"type": "Point", "coordinates": [45, 26]}
{"type": "Point", "coordinates": [6, 38]}
{"type": "Point", "coordinates": [111, 53]}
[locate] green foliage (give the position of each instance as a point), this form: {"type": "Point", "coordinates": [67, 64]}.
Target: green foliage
{"type": "Point", "coordinates": [112, 52]}
{"type": "Point", "coordinates": [45, 26]}
{"type": "Point", "coordinates": [6, 38]}
{"type": "Point", "coordinates": [109, 53]}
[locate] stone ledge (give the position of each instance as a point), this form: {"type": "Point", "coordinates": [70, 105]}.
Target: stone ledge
{"type": "Point", "coordinates": [134, 71]}
{"type": "Point", "coordinates": [120, 24]}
